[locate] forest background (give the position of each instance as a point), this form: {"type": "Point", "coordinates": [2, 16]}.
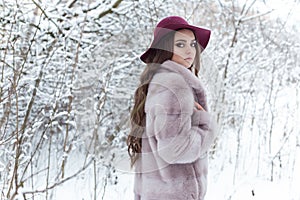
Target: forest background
{"type": "Point", "coordinates": [68, 71]}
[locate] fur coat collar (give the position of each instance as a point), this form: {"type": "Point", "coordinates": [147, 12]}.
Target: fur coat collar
{"type": "Point", "coordinates": [189, 77]}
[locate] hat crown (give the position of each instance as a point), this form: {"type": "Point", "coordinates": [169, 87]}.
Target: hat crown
{"type": "Point", "coordinates": [168, 24]}
{"type": "Point", "coordinates": [171, 20]}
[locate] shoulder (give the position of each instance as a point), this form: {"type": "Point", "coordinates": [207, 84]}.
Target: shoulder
{"type": "Point", "coordinates": [170, 91]}
{"type": "Point", "coordinates": [170, 83]}
{"type": "Point", "coordinates": [170, 80]}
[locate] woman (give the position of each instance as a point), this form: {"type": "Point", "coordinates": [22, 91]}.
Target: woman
{"type": "Point", "coordinates": [171, 129]}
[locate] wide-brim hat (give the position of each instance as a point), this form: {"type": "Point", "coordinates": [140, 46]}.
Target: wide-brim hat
{"type": "Point", "coordinates": [174, 23]}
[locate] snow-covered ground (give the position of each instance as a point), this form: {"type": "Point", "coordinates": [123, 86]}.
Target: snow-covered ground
{"type": "Point", "coordinates": [221, 186]}
{"type": "Point", "coordinates": [268, 137]}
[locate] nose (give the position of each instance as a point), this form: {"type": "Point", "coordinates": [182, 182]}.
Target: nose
{"type": "Point", "coordinates": [188, 49]}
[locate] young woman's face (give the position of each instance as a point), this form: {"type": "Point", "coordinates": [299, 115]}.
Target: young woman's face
{"type": "Point", "coordinates": [184, 47]}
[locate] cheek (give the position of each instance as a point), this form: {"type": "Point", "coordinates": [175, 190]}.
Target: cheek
{"type": "Point", "coordinates": [177, 57]}
{"type": "Point", "coordinates": [178, 52]}
{"type": "Point", "coordinates": [179, 60]}
{"type": "Point", "coordinates": [193, 51]}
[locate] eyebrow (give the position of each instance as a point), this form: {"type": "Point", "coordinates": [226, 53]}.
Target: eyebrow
{"type": "Point", "coordinates": [181, 40]}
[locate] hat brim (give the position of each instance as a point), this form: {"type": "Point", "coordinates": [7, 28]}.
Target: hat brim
{"type": "Point", "coordinates": [202, 36]}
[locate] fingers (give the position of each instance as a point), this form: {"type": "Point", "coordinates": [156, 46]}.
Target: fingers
{"type": "Point", "coordinates": [198, 106]}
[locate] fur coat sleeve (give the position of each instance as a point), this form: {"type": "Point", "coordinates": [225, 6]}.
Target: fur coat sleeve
{"type": "Point", "coordinates": [183, 134]}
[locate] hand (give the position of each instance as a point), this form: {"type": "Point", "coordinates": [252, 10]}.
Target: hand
{"type": "Point", "coordinates": [198, 106]}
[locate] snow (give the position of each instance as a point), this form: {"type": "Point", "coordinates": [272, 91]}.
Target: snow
{"type": "Point", "coordinates": [257, 153]}
{"type": "Point", "coordinates": [250, 188]}
{"type": "Point", "coordinates": [220, 185]}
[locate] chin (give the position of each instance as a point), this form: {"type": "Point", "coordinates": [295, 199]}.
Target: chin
{"type": "Point", "coordinates": [182, 62]}
{"type": "Point", "coordinates": [188, 65]}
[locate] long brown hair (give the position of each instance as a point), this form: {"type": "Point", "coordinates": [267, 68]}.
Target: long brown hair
{"type": "Point", "coordinates": [158, 54]}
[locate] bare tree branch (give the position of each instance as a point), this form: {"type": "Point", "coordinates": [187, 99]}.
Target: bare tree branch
{"type": "Point", "coordinates": [109, 11]}
{"type": "Point", "coordinates": [256, 16]}
{"type": "Point", "coordinates": [44, 12]}
{"type": "Point", "coordinates": [61, 181]}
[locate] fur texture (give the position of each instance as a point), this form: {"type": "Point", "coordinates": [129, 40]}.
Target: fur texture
{"type": "Point", "coordinates": [173, 163]}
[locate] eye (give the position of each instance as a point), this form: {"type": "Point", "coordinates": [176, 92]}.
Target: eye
{"type": "Point", "coordinates": [180, 44]}
{"type": "Point", "coordinates": [194, 44]}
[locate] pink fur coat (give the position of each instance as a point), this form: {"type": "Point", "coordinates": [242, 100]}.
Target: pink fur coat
{"type": "Point", "coordinates": [173, 164]}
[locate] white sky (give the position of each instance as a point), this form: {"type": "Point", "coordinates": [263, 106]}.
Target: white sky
{"type": "Point", "coordinates": [282, 8]}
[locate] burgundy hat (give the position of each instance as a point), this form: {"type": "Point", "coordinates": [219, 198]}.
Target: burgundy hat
{"type": "Point", "coordinates": [174, 23]}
